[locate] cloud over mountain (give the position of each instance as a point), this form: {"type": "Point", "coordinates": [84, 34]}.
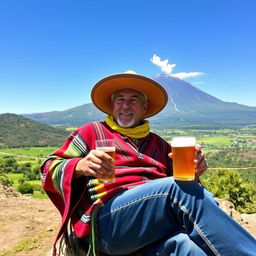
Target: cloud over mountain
{"type": "Point", "coordinates": [168, 68]}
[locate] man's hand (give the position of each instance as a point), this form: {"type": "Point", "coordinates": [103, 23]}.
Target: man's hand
{"type": "Point", "coordinates": [200, 161]}
{"type": "Point", "coordinates": [97, 164]}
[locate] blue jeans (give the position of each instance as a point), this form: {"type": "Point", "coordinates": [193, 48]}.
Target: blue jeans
{"type": "Point", "coordinates": [166, 217]}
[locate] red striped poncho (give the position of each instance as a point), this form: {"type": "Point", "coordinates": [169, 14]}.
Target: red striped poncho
{"type": "Point", "coordinates": [76, 199]}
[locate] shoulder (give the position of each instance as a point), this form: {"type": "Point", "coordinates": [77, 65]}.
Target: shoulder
{"type": "Point", "coordinates": [90, 126]}
{"type": "Point", "coordinates": [158, 140]}
{"type": "Point", "coordinates": [157, 137]}
{"type": "Point", "coordinates": [95, 130]}
{"type": "Point", "coordinates": [87, 130]}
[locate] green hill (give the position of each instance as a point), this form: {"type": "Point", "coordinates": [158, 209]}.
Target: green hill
{"type": "Point", "coordinates": [18, 131]}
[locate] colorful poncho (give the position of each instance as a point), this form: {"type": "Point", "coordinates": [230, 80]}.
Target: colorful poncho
{"type": "Point", "coordinates": [76, 199]}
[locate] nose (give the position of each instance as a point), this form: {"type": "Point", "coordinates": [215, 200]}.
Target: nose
{"type": "Point", "coordinates": [125, 104]}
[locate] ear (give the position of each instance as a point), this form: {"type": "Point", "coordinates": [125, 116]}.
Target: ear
{"type": "Point", "coordinates": [145, 107]}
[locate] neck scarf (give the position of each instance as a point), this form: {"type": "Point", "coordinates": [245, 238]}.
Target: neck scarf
{"type": "Point", "coordinates": [137, 132]}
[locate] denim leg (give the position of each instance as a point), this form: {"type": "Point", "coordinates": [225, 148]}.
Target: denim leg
{"type": "Point", "coordinates": [177, 244]}
{"type": "Point", "coordinates": [158, 209]}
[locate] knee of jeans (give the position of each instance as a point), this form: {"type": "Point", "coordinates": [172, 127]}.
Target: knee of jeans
{"type": "Point", "coordinates": [180, 240]}
{"type": "Point", "coordinates": [178, 243]}
{"type": "Point", "coordinates": [170, 184]}
{"type": "Point", "coordinates": [168, 181]}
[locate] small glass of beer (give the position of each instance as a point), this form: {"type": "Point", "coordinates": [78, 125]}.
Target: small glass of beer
{"type": "Point", "coordinates": [183, 156]}
{"type": "Point", "coordinates": [108, 146]}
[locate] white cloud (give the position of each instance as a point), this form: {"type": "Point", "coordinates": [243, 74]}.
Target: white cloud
{"type": "Point", "coordinates": [167, 68]}
{"type": "Point", "coordinates": [162, 64]}
{"type": "Point", "coordinates": [184, 75]}
{"type": "Point", "coordinates": [130, 72]}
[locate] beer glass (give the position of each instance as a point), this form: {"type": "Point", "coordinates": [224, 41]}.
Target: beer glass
{"type": "Point", "coordinates": [108, 146]}
{"type": "Point", "coordinates": [183, 156]}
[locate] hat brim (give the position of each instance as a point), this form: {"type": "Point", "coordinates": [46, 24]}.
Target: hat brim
{"type": "Point", "coordinates": [103, 89]}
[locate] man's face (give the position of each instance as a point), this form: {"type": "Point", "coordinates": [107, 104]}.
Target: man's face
{"type": "Point", "coordinates": [128, 108]}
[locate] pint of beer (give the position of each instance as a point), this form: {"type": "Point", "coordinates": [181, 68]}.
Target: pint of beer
{"type": "Point", "coordinates": [183, 156]}
{"type": "Point", "coordinates": [108, 146]}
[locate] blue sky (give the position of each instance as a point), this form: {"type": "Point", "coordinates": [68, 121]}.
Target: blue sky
{"type": "Point", "coordinates": [53, 51]}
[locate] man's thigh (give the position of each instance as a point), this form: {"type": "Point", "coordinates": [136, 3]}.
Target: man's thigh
{"type": "Point", "coordinates": [136, 218]}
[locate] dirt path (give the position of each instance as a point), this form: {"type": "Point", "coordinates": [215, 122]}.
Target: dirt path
{"type": "Point", "coordinates": [28, 226]}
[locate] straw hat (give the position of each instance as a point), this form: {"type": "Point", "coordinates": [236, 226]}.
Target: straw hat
{"type": "Point", "coordinates": [103, 89]}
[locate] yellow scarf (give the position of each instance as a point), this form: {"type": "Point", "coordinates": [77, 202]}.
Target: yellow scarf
{"type": "Point", "coordinates": [138, 132]}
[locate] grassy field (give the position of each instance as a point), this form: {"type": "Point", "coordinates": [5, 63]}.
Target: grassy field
{"type": "Point", "coordinates": [37, 152]}
{"type": "Point", "coordinates": [211, 141]}
{"type": "Point", "coordinates": [15, 177]}
{"type": "Point", "coordinates": [34, 155]}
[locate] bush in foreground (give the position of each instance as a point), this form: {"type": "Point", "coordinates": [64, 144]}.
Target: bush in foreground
{"type": "Point", "coordinates": [230, 185]}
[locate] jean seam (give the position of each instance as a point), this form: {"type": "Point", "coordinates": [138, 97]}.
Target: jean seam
{"type": "Point", "coordinates": [192, 220]}
{"type": "Point", "coordinates": [134, 202]}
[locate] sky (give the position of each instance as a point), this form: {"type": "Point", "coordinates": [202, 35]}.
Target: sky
{"type": "Point", "coordinates": [52, 52]}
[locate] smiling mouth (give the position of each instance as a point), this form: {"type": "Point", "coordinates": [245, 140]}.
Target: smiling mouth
{"type": "Point", "coordinates": [128, 114]}
{"type": "Point", "coordinates": [121, 114]}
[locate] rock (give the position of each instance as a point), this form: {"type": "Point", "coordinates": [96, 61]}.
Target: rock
{"type": "Point", "coordinates": [247, 221]}
{"type": "Point", "coordinates": [7, 192]}
{"type": "Point", "coordinates": [249, 218]}
{"type": "Point", "coordinates": [229, 208]}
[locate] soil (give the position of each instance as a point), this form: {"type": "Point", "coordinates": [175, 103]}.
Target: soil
{"type": "Point", "coordinates": [38, 220]}
{"type": "Point", "coordinates": [24, 217]}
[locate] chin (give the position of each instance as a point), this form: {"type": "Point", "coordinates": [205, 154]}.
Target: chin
{"type": "Point", "coordinates": [125, 124]}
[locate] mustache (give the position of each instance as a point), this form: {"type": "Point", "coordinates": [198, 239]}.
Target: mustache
{"type": "Point", "coordinates": [126, 112]}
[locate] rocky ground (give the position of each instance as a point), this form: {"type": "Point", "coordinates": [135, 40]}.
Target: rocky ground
{"type": "Point", "coordinates": [28, 226]}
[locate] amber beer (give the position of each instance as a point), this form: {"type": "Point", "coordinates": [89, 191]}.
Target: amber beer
{"type": "Point", "coordinates": [183, 156]}
{"type": "Point", "coordinates": [108, 146]}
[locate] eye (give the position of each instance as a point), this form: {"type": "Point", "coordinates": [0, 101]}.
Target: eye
{"type": "Point", "coordinates": [119, 100]}
{"type": "Point", "coordinates": [134, 100]}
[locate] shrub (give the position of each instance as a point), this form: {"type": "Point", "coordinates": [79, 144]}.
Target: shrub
{"type": "Point", "coordinates": [23, 168]}
{"type": "Point", "coordinates": [8, 165]}
{"type": "Point", "coordinates": [36, 171]}
{"type": "Point", "coordinates": [29, 175]}
{"type": "Point", "coordinates": [39, 188]}
{"type": "Point", "coordinates": [230, 185]}
{"type": "Point", "coordinates": [4, 180]}
{"type": "Point", "coordinates": [26, 188]}
{"type": "Point", "coordinates": [21, 181]}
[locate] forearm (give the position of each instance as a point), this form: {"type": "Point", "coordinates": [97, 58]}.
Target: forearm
{"type": "Point", "coordinates": [53, 172]}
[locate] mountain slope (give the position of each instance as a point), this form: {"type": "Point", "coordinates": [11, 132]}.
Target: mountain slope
{"type": "Point", "coordinates": [76, 116]}
{"type": "Point", "coordinates": [183, 97]}
{"type": "Point", "coordinates": [187, 106]}
{"type": "Point", "coordinates": [18, 131]}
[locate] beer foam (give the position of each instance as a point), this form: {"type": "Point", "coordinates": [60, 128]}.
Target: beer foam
{"type": "Point", "coordinates": [106, 149]}
{"type": "Point", "coordinates": [183, 141]}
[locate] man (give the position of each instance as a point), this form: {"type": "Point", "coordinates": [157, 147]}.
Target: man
{"type": "Point", "coordinates": [144, 209]}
